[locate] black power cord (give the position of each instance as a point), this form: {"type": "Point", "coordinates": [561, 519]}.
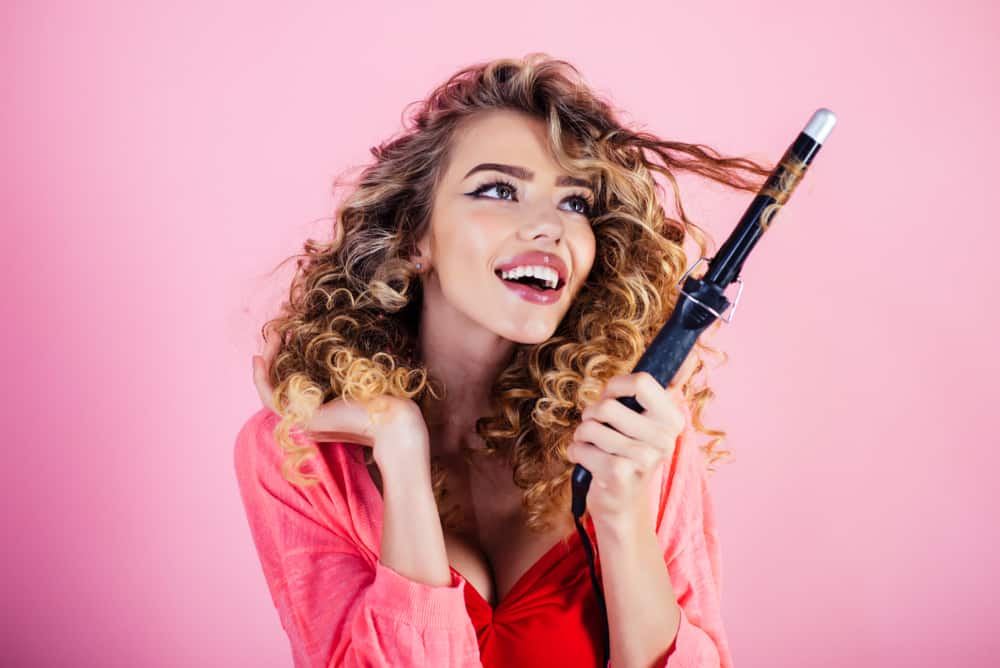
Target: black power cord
{"type": "Point", "coordinates": [589, 549]}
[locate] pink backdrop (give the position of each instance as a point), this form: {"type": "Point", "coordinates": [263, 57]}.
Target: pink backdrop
{"type": "Point", "coordinates": [158, 160]}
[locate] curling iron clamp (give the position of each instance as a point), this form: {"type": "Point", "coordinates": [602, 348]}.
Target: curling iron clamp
{"type": "Point", "coordinates": [702, 300]}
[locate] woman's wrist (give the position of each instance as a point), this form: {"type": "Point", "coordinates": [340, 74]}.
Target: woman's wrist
{"type": "Point", "coordinates": [402, 460]}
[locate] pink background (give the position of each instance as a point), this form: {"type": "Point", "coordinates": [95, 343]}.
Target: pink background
{"type": "Point", "coordinates": [159, 160]}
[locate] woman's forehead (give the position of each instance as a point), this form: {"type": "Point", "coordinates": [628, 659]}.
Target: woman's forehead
{"type": "Point", "coordinates": [502, 137]}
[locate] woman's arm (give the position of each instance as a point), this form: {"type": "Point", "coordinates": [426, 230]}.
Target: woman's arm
{"type": "Point", "coordinates": [643, 614]}
{"type": "Point", "coordinates": [412, 538]}
{"type": "Point", "coordinates": [338, 606]}
{"type": "Point", "coordinates": [662, 585]}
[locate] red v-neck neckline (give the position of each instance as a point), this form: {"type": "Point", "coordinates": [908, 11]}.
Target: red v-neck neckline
{"type": "Point", "coordinates": [561, 548]}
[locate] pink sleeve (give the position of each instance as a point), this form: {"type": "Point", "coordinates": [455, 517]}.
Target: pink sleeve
{"type": "Point", "coordinates": [690, 539]}
{"type": "Point", "coordinates": [338, 605]}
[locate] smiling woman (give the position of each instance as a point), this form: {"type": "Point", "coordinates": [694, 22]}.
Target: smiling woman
{"type": "Point", "coordinates": [498, 265]}
{"type": "Point", "coordinates": [533, 224]}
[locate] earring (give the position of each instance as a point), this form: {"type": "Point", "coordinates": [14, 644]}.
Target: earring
{"type": "Point", "coordinates": [418, 265]}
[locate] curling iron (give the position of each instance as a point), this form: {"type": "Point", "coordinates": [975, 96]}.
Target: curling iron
{"type": "Point", "coordinates": [702, 300]}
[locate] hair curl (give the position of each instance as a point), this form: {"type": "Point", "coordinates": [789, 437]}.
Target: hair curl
{"type": "Point", "coordinates": [350, 325]}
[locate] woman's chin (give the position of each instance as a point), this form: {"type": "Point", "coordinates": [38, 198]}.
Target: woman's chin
{"type": "Point", "coordinates": [537, 332]}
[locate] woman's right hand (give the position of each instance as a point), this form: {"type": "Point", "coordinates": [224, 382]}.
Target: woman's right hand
{"type": "Point", "coordinates": [384, 423]}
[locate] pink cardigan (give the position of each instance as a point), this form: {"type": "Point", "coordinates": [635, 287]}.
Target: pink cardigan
{"type": "Point", "coordinates": [341, 606]}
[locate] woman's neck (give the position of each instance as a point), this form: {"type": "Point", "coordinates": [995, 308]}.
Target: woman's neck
{"type": "Point", "coordinates": [467, 368]}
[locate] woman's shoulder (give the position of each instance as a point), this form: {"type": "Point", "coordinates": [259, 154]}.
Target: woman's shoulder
{"type": "Point", "coordinates": [334, 494]}
{"type": "Point", "coordinates": [256, 442]}
{"type": "Point", "coordinates": [256, 451]}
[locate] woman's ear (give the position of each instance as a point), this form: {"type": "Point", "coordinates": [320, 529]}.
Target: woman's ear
{"type": "Point", "coordinates": [421, 254]}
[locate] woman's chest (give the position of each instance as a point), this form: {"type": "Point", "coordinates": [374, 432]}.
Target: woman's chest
{"type": "Point", "coordinates": [496, 557]}
{"type": "Point", "coordinates": [493, 548]}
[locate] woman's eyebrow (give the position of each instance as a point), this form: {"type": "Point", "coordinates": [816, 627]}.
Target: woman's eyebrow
{"type": "Point", "coordinates": [525, 174]}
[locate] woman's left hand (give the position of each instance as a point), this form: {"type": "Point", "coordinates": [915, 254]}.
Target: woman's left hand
{"type": "Point", "coordinates": [622, 457]}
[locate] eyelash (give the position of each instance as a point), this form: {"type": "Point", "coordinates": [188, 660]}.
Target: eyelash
{"type": "Point", "coordinates": [501, 182]}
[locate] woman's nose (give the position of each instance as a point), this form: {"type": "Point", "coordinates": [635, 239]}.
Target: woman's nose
{"type": "Point", "coordinates": [543, 220]}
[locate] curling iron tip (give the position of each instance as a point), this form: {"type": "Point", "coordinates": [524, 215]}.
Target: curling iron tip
{"type": "Point", "coordinates": [820, 125]}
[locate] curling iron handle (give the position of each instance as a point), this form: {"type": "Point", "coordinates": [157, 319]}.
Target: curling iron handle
{"type": "Point", "coordinates": [665, 356]}
{"type": "Point", "coordinates": [582, 478]}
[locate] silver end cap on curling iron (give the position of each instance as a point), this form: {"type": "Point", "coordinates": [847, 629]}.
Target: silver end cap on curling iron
{"type": "Point", "coordinates": [820, 125]}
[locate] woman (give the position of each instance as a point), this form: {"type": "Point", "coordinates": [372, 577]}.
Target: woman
{"type": "Point", "coordinates": [442, 364]}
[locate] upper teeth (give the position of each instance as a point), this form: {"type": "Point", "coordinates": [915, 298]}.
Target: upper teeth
{"type": "Point", "coordinates": [547, 274]}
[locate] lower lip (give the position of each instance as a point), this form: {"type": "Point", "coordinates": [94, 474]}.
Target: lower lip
{"type": "Point", "coordinates": [532, 295]}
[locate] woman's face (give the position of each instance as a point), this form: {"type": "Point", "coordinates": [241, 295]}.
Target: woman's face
{"type": "Point", "coordinates": [476, 226]}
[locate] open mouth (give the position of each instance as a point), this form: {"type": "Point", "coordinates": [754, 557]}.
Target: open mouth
{"type": "Point", "coordinates": [539, 285]}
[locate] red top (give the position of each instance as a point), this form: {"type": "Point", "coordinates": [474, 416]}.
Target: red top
{"type": "Point", "coordinates": [341, 606]}
{"type": "Point", "coordinates": [549, 618]}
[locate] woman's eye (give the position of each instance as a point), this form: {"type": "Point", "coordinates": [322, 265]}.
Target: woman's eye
{"type": "Point", "coordinates": [585, 204]}
{"type": "Point", "coordinates": [499, 186]}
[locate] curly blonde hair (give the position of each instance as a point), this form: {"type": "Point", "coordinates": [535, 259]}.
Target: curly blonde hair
{"type": "Point", "coordinates": [350, 325]}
